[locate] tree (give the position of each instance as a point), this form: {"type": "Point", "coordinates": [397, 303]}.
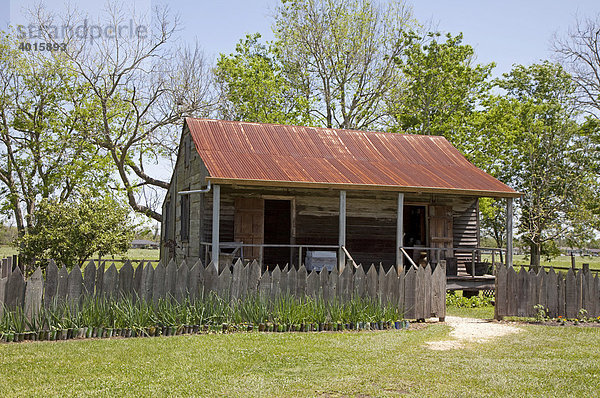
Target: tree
{"type": "Point", "coordinates": [579, 52]}
{"type": "Point", "coordinates": [442, 88]}
{"type": "Point", "coordinates": [43, 151]}
{"type": "Point", "coordinates": [71, 232]}
{"type": "Point", "coordinates": [252, 86]}
{"type": "Point", "coordinates": [341, 55]}
{"type": "Point", "coordinates": [139, 88]}
{"type": "Point", "coordinates": [538, 148]}
{"type": "Point", "coordinates": [493, 220]}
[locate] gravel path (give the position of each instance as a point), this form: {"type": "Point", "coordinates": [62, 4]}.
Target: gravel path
{"type": "Point", "coordinates": [471, 330]}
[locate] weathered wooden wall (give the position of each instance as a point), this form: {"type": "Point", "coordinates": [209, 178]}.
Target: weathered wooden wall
{"type": "Point", "coordinates": [419, 293]}
{"type": "Point", "coordinates": [186, 176]}
{"type": "Point", "coordinates": [562, 294]}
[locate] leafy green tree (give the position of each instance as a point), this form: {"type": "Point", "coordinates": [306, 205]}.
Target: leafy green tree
{"type": "Point", "coordinates": [341, 54]}
{"type": "Point", "coordinates": [253, 87]}
{"type": "Point", "coordinates": [493, 220]}
{"type": "Point", "coordinates": [442, 88]}
{"type": "Point", "coordinates": [538, 148]}
{"type": "Point", "coordinates": [139, 87]}
{"type": "Point", "coordinates": [44, 153]}
{"type": "Point", "coordinates": [71, 232]}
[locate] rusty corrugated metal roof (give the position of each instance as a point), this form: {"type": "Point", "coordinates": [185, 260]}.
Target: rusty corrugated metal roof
{"type": "Point", "coordinates": [273, 154]}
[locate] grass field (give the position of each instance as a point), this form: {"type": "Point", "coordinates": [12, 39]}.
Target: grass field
{"type": "Point", "coordinates": [541, 361]}
{"type": "Point", "coordinates": [133, 254]}
{"type": "Point", "coordinates": [563, 261]}
{"type": "Point", "coordinates": [149, 254]}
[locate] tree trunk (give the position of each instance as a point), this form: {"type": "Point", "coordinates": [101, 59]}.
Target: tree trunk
{"type": "Point", "coordinates": [535, 254]}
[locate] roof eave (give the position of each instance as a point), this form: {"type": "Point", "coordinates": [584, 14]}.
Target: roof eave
{"type": "Point", "coordinates": [364, 187]}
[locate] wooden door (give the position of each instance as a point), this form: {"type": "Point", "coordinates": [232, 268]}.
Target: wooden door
{"type": "Point", "coordinates": [248, 224]}
{"type": "Point", "coordinates": [440, 230]}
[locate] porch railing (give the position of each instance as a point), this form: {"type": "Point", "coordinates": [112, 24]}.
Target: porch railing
{"type": "Point", "coordinates": [468, 254]}
{"type": "Point", "coordinates": [238, 248]}
{"type": "Point", "coordinates": [433, 255]}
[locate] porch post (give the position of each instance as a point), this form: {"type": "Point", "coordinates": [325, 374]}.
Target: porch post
{"type": "Point", "coordinates": [216, 218]}
{"type": "Point", "coordinates": [509, 232]}
{"type": "Point", "coordinates": [342, 232]}
{"type": "Point", "coordinates": [400, 233]}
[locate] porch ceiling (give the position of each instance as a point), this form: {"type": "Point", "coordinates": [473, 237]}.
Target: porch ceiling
{"type": "Point", "coordinates": [294, 156]}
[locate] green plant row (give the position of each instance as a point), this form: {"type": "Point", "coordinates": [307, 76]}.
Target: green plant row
{"type": "Point", "coordinates": [100, 317]}
{"type": "Point", "coordinates": [454, 300]}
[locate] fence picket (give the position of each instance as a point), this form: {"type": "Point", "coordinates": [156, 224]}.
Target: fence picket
{"type": "Point", "coordinates": [292, 280]}
{"type": "Point", "coordinates": [562, 296]}
{"type": "Point", "coordinates": [254, 278]}
{"type": "Point", "coordinates": [571, 295]}
{"type": "Point", "coordinates": [63, 284]}
{"type": "Point", "coordinates": [541, 288]}
{"type": "Point", "coordinates": [2, 294]}
{"type": "Point", "coordinates": [275, 283]}
{"type": "Point", "coordinates": [324, 285]}
{"type": "Point", "coordinates": [596, 295]}
{"type": "Point", "coordinates": [283, 281]}
{"type": "Point", "coordinates": [170, 279]}
{"type": "Point", "coordinates": [125, 279]}
{"type": "Point", "coordinates": [51, 285]}
{"type": "Point", "coordinates": [89, 276]}
{"type": "Point", "coordinates": [99, 278]}
{"type": "Point", "coordinates": [193, 280]}
{"type": "Point", "coordinates": [301, 276]}
{"type": "Point", "coordinates": [33, 294]}
{"type": "Point", "coordinates": [410, 284]}
{"type": "Point", "coordinates": [531, 293]}
{"type": "Point", "coordinates": [75, 287]}
{"type": "Point", "coordinates": [371, 282]}
{"type": "Point", "coordinates": [264, 287]}
{"type": "Point", "coordinates": [110, 282]}
{"type": "Point", "coordinates": [312, 284]}
{"type": "Point", "coordinates": [359, 282]}
{"type": "Point", "coordinates": [210, 279]}
{"type": "Point", "coordinates": [158, 282]}
{"type": "Point", "coordinates": [146, 288]}
{"type": "Point", "coordinates": [332, 285]}
{"type": "Point", "coordinates": [236, 280]}
{"type": "Point", "coordinates": [181, 282]}
{"type": "Point", "coordinates": [438, 290]}
{"type": "Point", "coordinates": [501, 294]}
{"type": "Point", "coordinates": [551, 287]}
{"type": "Point", "coordinates": [224, 284]}
{"type": "Point", "coordinates": [15, 290]}
{"type": "Point", "coordinates": [136, 288]}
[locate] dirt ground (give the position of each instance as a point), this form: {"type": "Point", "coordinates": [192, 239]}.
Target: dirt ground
{"type": "Point", "coordinates": [471, 330]}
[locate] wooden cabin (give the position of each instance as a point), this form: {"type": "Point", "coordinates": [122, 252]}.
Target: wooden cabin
{"type": "Point", "coordinates": [287, 194]}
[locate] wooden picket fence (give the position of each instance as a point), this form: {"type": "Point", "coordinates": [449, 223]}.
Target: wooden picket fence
{"type": "Point", "coordinates": [561, 294]}
{"type": "Point", "coordinates": [418, 292]}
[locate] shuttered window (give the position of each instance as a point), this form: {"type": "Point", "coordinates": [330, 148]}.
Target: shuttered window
{"type": "Point", "coordinates": [185, 217]}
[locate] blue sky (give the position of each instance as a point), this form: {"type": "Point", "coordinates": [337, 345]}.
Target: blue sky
{"type": "Point", "coordinates": [506, 32]}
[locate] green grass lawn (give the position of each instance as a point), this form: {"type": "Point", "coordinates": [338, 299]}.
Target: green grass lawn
{"type": "Point", "coordinates": [561, 261]}
{"type": "Point", "coordinates": [7, 251]}
{"type": "Point", "coordinates": [132, 254]}
{"type": "Point", "coordinates": [541, 361]}
{"type": "Point", "coordinates": [480, 312]}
